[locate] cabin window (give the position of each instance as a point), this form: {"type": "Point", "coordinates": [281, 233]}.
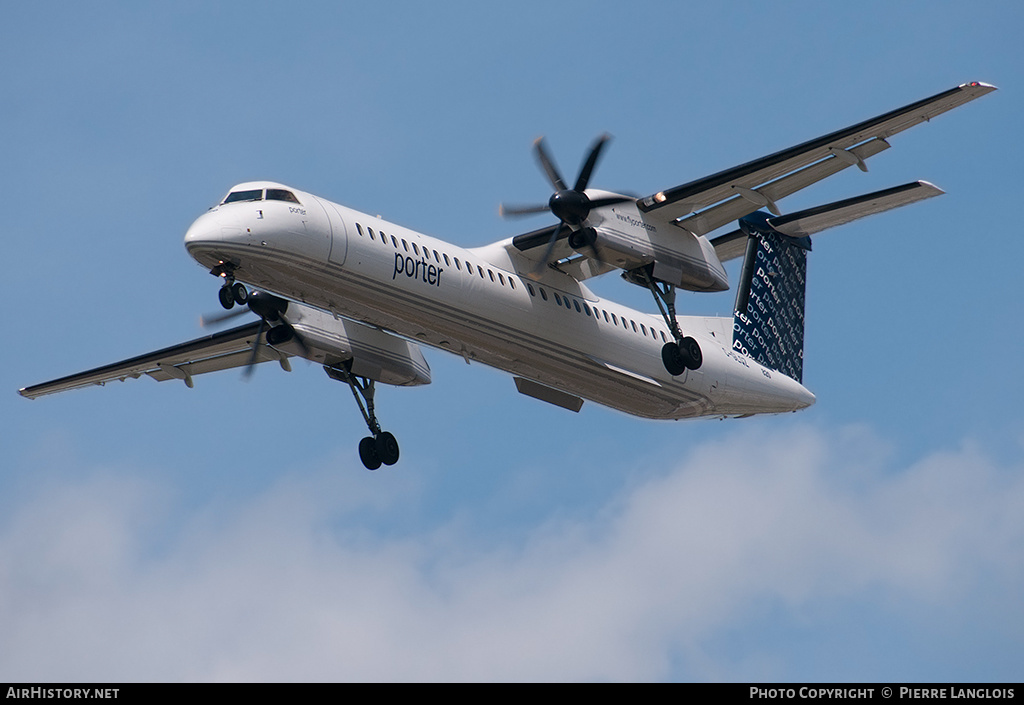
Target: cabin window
{"type": "Point", "coordinates": [543, 294]}
{"type": "Point", "coordinates": [558, 299]}
{"type": "Point", "coordinates": [586, 309]}
{"type": "Point", "coordinates": [501, 279]}
{"type": "Point", "coordinates": [405, 245]}
{"type": "Point", "coordinates": [457, 265]}
{"type": "Point", "coordinates": [634, 327]}
{"type": "Point", "coordinates": [446, 261]}
{"type": "Point", "coordinates": [279, 194]}
{"type": "Point", "coordinates": [415, 249]}
{"type": "Point", "coordinates": [394, 242]}
{"type": "Point", "coordinates": [663, 339]}
{"type": "Point", "coordinates": [577, 305]}
{"type": "Point", "coordinates": [615, 319]}
{"type": "Point", "coordinates": [511, 283]}
{"type": "Point", "coordinates": [643, 329]}
{"type": "Point", "coordinates": [605, 316]}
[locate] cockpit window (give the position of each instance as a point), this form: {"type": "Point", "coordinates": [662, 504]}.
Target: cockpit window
{"type": "Point", "coordinates": [255, 195]}
{"type": "Point", "coordinates": [279, 194]}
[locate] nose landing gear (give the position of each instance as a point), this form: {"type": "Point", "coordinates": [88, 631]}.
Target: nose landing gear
{"type": "Point", "coordinates": [231, 292]}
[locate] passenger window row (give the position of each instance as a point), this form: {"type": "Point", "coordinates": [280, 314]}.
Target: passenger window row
{"type": "Point", "coordinates": [427, 253]}
{"type": "Point", "coordinates": [571, 303]}
{"type": "Point", "coordinates": [597, 314]}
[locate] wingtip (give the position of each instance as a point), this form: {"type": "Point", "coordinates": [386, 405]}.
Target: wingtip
{"type": "Point", "coordinates": [987, 87]}
{"type": "Point", "coordinates": [928, 185]}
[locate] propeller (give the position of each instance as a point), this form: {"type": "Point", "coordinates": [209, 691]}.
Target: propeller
{"type": "Point", "coordinates": [571, 206]}
{"type": "Point", "coordinates": [270, 309]}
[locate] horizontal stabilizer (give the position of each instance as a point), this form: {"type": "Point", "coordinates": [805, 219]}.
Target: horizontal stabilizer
{"type": "Point", "coordinates": [814, 220]}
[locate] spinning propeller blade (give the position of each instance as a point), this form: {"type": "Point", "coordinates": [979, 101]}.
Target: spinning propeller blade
{"type": "Point", "coordinates": [570, 206]}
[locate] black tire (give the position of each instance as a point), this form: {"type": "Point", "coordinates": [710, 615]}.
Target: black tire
{"type": "Point", "coordinates": [691, 353]}
{"type": "Point", "coordinates": [368, 453]}
{"type": "Point", "coordinates": [240, 293]}
{"type": "Point", "coordinates": [227, 299]}
{"type": "Point", "coordinates": [673, 359]}
{"type": "Point", "coordinates": [387, 448]}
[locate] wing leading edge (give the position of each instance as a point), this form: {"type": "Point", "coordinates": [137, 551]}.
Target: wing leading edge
{"type": "Point", "coordinates": [709, 203]}
{"type": "Point", "coordinates": [220, 351]}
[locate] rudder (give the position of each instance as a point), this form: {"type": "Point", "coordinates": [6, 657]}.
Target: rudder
{"type": "Point", "coordinates": [768, 323]}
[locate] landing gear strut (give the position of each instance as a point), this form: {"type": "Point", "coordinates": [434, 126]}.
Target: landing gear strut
{"type": "Point", "coordinates": [684, 353]}
{"type": "Point", "coordinates": [380, 448]}
{"type": "Point", "coordinates": [231, 292]}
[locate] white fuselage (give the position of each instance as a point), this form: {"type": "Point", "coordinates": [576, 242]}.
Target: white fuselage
{"type": "Point", "coordinates": [477, 303]}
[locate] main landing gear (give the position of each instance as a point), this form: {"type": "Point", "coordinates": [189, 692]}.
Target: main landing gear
{"type": "Point", "coordinates": [684, 353]}
{"type": "Point", "coordinates": [380, 448]}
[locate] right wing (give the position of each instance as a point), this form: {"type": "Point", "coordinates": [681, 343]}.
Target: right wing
{"type": "Point", "coordinates": [704, 205]}
{"type": "Point", "coordinates": [220, 351]}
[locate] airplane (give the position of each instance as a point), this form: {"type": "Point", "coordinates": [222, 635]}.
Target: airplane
{"type": "Point", "coordinates": [360, 295]}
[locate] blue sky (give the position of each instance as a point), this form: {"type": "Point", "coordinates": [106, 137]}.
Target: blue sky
{"type": "Point", "coordinates": [229, 532]}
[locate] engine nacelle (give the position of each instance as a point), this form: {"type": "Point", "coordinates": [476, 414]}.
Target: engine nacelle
{"type": "Point", "coordinates": [360, 349]}
{"type": "Point", "coordinates": [625, 240]}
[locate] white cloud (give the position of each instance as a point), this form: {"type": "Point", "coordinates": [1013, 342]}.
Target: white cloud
{"type": "Point", "coordinates": [98, 581]}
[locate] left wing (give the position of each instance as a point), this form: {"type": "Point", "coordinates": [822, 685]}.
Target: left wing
{"type": "Point", "coordinates": [220, 351]}
{"type": "Point", "coordinates": [709, 203]}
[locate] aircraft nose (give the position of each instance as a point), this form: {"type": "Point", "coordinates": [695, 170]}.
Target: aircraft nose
{"type": "Point", "coordinates": [205, 229]}
{"type": "Point", "coordinates": [211, 228]}
{"type": "Point", "coordinates": [210, 233]}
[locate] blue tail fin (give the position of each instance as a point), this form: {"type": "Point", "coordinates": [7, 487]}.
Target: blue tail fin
{"type": "Point", "coordinates": [768, 323]}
